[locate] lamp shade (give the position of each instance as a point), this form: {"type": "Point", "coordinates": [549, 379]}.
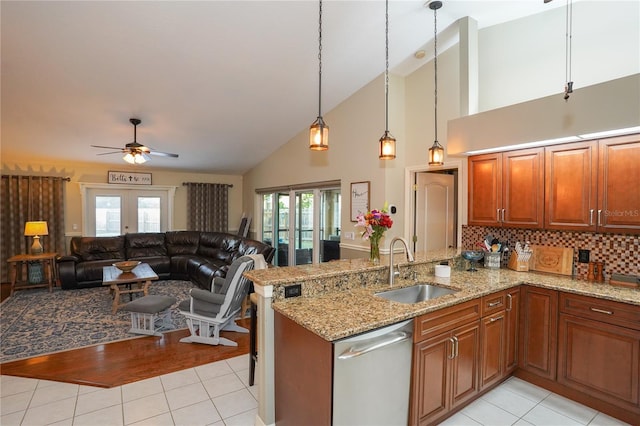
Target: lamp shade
{"type": "Point", "coordinates": [32, 229]}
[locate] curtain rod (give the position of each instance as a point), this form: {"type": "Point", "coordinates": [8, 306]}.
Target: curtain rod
{"type": "Point", "coordinates": [203, 183]}
{"type": "Point", "coordinates": [66, 179]}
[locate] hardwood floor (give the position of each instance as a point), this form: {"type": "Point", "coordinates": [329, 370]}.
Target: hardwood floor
{"type": "Point", "coordinates": [127, 361]}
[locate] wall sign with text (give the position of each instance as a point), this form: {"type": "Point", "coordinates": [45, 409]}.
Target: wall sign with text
{"type": "Point", "coordinates": [129, 178]}
{"type": "Point", "coordinates": [359, 199]}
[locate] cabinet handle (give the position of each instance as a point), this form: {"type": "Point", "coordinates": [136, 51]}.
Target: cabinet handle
{"type": "Point", "coordinates": [452, 355]}
{"type": "Point", "coordinates": [493, 304]}
{"type": "Point", "coordinates": [599, 221]}
{"type": "Point", "coordinates": [503, 215]}
{"type": "Point", "coordinates": [602, 311]}
{"type": "Point", "coordinates": [510, 304]}
{"type": "Point", "coordinates": [591, 217]}
{"type": "Point", "coordinates": [497, 215]}
{"type": "Point", "coordinates": [455, 339]}
{"type": "Point", "coordinates": [494, 319]}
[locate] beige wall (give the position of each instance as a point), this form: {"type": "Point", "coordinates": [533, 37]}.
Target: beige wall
{"type": "Point", "coordinates": [97, 173]}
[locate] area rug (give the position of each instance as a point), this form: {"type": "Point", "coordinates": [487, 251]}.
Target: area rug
{"type": "Point", "coordinates": [36, 322]}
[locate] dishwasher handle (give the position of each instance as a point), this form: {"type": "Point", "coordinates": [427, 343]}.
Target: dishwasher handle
{"type": "Point", "coordinates": [381, 342]}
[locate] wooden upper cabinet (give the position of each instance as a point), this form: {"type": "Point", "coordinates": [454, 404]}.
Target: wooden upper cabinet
{"type": "Point", "coordinates": [523, 188]}
{"type": "Point", "coordinates": [507, 189]}
{"type": "Point", "coordinates": [485, 189]}
{"type": "Point", "coordinates": [619, 185]}
{"type": "Point", "coordinates": [570, 186]}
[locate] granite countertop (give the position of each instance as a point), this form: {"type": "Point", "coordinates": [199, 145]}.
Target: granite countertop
{"type": "Point", "coordinates": [339, 314]}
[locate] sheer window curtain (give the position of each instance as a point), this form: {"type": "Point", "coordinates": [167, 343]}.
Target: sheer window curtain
{"type": "Point", "coordinates": [207, 206]}
{"type": "Point", "coordinates": [29, 198]}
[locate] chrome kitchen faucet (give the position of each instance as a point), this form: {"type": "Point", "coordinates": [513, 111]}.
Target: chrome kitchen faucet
{"type": "Point", "coordinates": [392, 274]}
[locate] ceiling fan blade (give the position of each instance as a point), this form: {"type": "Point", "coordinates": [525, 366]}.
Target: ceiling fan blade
{"type": "Point", "coordinates": [106, 147]}
{"type": "Point", "coordinates": [163, 154]}
{"type": "Point", "coordinates": [108, 153]}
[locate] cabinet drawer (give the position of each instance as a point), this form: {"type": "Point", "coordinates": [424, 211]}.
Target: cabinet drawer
{"type": "Point", "coordinates": [606, 311]}
{"type": "Point", "coordinates": [493, 303]}
{"type": "Point", "coordinates": [446, 319]}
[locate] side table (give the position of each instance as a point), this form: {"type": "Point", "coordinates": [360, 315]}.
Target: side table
{"type": "Point", "coordinates": [47, 259]}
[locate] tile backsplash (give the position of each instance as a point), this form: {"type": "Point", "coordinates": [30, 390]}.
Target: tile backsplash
{"type": "Point", "coordinates": [619, 252]}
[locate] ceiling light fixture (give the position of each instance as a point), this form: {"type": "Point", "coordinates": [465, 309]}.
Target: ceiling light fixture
{"type": "Point", "coordinates": [319, 131]}
{"type": "Point", "coordinates": [568, 88]}
{"type": "Point", "coordinates": [436, 152]}
{"type": "Point", "coordinates": [387, 141]}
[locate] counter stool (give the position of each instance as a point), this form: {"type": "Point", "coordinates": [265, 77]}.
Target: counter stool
{"type": "Point", "coordinates": [151, 314]}
{"type": "Point", "coordinates": [253, 337]}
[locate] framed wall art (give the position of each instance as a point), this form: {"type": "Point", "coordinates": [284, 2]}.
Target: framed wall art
{"type": "Point", "coordinates": [359, 199]}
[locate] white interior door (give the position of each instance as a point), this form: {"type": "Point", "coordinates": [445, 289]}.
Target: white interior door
{"type": "Point", "coordinates": [435, 210]}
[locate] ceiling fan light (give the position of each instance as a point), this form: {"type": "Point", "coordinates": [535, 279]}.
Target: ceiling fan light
{"type": "Point", "coordinates": [128, 157]}
{"type": "Point", "coordinates": [387, 147]}
{"type": "Point", "coordinates": [139, 159]}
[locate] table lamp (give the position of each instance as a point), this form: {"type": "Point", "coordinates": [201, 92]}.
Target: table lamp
{"type": "Point", "coordinates": [35, 229]}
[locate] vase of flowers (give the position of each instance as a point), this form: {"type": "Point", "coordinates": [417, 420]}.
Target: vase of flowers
{"type": "Point", "coordinates": [375, 223]}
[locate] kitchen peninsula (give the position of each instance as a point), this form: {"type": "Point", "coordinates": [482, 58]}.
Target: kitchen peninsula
{"type": "Point", "coordinates": [338, 300]}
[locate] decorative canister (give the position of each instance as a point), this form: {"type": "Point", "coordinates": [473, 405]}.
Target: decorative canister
{"type": "Point", "coordinates": [492, 260]}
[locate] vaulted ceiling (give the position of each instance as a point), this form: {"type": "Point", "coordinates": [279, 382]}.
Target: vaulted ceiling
{"type": "Point", "coordinates": [221, 83]}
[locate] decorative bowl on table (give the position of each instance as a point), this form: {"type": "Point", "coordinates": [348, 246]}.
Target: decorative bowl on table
{"type": "Point", "coordinates": [472, 256]}
{"type": "Point", "coordinates": [127, 265]}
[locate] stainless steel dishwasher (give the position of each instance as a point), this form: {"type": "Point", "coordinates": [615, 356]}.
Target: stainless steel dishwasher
{"type": "Point", "coordinates": [372, 377]}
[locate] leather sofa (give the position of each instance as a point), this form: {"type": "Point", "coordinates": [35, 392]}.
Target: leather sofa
{"type": "Point", "coordinates": [185, 255]}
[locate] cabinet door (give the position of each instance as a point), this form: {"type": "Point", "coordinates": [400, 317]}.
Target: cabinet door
{"type": "Point", "coordinates": [493, 348]}
{"type": "Point", "coordinates": [539, 330]}
{"type": "Point", "coordinates": [430, 398]}
{"type": "Point", "coordinates": [512, 330]}
{"type": "Point", "coordinates": [599, 359]}
{"type": "Point", "coordinates": [465, 364]}
{"type": "Point", "coordinates": [523, 188]}
{"type": "Point", "coordinates": [570, 186]}
{"type": "Point", "coordinates": [485, 189]}
{"type": "Point", "coordinates": [618, 185]}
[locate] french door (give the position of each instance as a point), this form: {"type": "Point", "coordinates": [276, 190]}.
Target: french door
{"type": "Point", "coordinates": [302, 225]}
{"type": "Point", "coordinates": [117, 211]}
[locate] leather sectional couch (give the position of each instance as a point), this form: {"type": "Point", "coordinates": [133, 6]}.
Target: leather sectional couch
{"type": "Point", "coordinates": [184, 255]}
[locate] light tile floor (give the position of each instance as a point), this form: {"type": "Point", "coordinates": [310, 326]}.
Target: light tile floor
{"type": "Point", "coordinates": [218, 394]}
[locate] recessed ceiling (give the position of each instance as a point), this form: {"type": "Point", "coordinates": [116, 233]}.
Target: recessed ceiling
{"type": "Point", "coordinates": [221, 83]}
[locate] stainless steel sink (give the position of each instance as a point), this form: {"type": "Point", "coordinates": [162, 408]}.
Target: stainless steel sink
{"type": "Point", "coordinates": [415, 294]}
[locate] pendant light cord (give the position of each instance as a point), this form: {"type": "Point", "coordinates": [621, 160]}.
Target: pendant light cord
{"type": "Point", "coordinates": [320, 61]}
{"type": "Point", "coordinates": [386, 69]}
{"type": "Point", "coordinates": [435, 68]}
{"type": "Point", "coordinates": [568, 37]}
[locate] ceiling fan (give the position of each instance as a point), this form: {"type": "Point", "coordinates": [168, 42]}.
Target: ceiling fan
{"type": "Point", "coordinates": [134, 152]}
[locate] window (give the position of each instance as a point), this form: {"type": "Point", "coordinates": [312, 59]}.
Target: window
{"type": "Point", "coordinates": [110, 210]}
{"type": "Point", "coordinates": [305, 223]}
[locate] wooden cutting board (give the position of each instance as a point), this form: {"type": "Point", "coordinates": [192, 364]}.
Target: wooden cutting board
{"type": "Point", "coordinates": [556, 260]}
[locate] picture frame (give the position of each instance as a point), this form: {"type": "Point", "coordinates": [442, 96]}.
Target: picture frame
{"type": "Point", "coordinates": [129, 178]}
{"type": "Point", "coordinates": [360, 198]}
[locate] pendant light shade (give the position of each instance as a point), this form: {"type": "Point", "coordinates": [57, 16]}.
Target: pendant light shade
{"type": "Point", "coordinates": [436, 152]}
{"type": "Point", "coordinates": [319, 131]}
{"type": "Point", "coordinates": [387, 141]}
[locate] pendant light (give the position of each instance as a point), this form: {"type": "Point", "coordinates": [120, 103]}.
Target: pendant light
{"type": "Point", "coordinates": [387, 141]}
{"type": "Point", "coordinates": [436, 152]}
{"type": "Point", "coordinates": [319, 131]}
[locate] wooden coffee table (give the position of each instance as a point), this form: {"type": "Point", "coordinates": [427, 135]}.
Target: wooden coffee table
{"type": "Point", "coordinates": [136, 281]}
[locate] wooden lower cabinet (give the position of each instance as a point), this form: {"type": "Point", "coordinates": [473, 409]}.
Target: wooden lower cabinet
{"type": "Point", "coordinates": [499, 335]}
{"type": "Point", "coordinates": [539, 331]}
{"type": "Point", "coordinates": [445, 366]}
{"type": "Point", "coordinates": [599, 349]}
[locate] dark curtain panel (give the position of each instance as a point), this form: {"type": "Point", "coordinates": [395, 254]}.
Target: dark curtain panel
{"type": "Point", "coordinates": [30, 198]}
{"type": "Point", "coordinates": [207, 207]}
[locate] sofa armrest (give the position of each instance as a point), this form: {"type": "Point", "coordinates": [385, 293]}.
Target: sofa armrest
{"type": "Point", "coordinates": [67, 271]}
